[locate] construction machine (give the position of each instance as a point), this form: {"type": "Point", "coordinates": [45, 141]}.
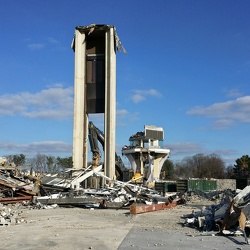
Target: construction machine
{"type": "Point", "coordinates": [95, 135]}
{"type": "Point", "coordinates": [3, 161]}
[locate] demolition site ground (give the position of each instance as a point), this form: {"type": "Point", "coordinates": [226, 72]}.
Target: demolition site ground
{"type": "Point", "coordinates": [78, 228]}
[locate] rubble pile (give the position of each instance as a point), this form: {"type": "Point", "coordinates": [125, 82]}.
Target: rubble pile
{"type": "Point", "coordinates": [198, 196]}
{"type": "Point", "coordinates": [228, 216]}
{"type": "Point", "coordinates": [10, 215]}
{"type": "Point", "coordinates": [16, 188]}
{"type": "Point", "coordinates": [67, 190]}
{"type": "Point", "coordinates": [117, 195]}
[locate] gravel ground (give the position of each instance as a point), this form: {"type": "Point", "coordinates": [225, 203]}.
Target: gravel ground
{"type": "Point", "coordinates": [77, 228]}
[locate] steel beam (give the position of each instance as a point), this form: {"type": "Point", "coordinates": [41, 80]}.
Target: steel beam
{"type": "Point", "coordinates": [10, 200]}
{"type": "Point", "coordinates": [138, 208]}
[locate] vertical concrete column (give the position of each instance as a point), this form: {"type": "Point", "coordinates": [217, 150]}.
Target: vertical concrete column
{"type": "Point", "coordinates": [110, 104]}
{"type": "Point", "coordinates": [141, 164]}
{"type": "Point", "coordinates": [156, 173]}
{"type": "Point", "coordinates": [80, 117]}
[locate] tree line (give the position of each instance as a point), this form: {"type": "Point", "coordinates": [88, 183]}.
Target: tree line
{"type": "Point", "coordinates": [206, 166]}
{"type": "Point", "coordinates": [197, 166]}
{"type": "Point", "coordinates": [42, 163]}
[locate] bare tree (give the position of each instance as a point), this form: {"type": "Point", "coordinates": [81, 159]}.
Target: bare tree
{"type": "Point", "coordinates": [215, 167]}
{"type": "Point", "coordinates": [201, 166]}
{"type": "Point", "coordinates": [40, 163]}
{"type": "Point", "coordinates": [183, 170]}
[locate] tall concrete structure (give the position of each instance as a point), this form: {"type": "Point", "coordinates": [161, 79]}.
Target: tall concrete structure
{"type": "Point", "coordinates": [95, 49]}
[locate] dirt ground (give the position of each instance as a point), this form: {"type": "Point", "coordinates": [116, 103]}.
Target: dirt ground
{"type": "Point", "coordinates": [78, 228]}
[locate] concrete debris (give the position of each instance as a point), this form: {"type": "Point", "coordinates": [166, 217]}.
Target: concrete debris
{"type": "Point", "coordinates": [10, 215]}
{"type": "Point", "coordinates": [216, 196]}
{"type": "Point", "coordinates": [229, 216]}
{"type": "Point", "coordinates": [117, 195]}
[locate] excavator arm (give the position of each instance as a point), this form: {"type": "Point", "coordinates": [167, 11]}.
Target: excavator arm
{"type": "Point", "coordinates": [96, 135]}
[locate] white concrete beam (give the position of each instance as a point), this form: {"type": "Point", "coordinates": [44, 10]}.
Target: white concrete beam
{"type": "Point", "coordinates": [79, 130]}
{"type": "Point", "coordinates": [110, 104]}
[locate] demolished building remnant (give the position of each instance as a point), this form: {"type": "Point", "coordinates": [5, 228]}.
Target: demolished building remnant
{"type": "Point", "coordinates": [145, 153]}
{"type": "Point", "coordinates": [15, 188]}
{"type": "Point", "coordinates": [95, 48]}
{"type": "Point", "coordinates": [70, 180]}
{"type": "Point", "coordinates": [66, 189]}
{"type": "Point", "coordinates": [118, 194]}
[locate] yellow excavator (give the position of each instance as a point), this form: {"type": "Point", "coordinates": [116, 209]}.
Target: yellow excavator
{"type": "Point", "coordinates": [3, 161]}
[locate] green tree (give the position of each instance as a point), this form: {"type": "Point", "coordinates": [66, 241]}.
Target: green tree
{"type": "Point", "coordinates": [19, 160]}
{"type": "Point", "coordinates": [167, 169]}
{"type": "Point", "coordinates": [65, 162]}
{"type": "Point", "coordinates": [242, 167]}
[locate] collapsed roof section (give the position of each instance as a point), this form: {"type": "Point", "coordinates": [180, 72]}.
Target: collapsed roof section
{"type": "Point", "coordinates": [90, 31]}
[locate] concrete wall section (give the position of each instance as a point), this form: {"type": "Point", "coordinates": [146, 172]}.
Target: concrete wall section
{"type": "Point", "coordinates": [79, 101]}
{"type": "Point", "coordinates": [223, 184]}
{"type": "Point", "coordinates": [110, 104]}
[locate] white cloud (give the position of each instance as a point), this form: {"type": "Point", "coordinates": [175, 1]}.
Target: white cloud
{"type": "Point", "coordinates": [222, 124]}
{"type": "Point", "coordinates": [55, 103]}
{"type": "Point", "coordinates": [124, 117]}
{"type": "Point", "coordinates": [52, 40]}
{"type": "Point", "coordinates": [185, 148]}
{"type": "Point", "coordinates": [121, 113]}
{"type": "Point", "coordinates": [140, 95]}
{"type": "Point", "coordinates": [233, 93]}
{"type": "Point", "coordinates": [49, 41]}
{"type": "Point", "coordinates": [137, 98]}
{"type": "Point", "coordinates": [36, 46]}
{"type": "Point", "coordinates": [44, 147]}
{"type": "Point", "coordinates": [181, 150]}
{"type": "Point", "coordinates": [226, 112]}
{"type": "Point", "coordinates": [52, 103]}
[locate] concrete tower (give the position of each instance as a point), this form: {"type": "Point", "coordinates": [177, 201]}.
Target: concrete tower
{"type": "Point", "coordinates": [95, 49]}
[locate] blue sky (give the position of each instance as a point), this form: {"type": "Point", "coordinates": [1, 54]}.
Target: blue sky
{"type": "Point", "coordinates": [187, 70]}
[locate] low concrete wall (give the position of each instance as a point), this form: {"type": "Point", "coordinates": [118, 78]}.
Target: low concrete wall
{"type": "Point", "coordinates": [223, 184]}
